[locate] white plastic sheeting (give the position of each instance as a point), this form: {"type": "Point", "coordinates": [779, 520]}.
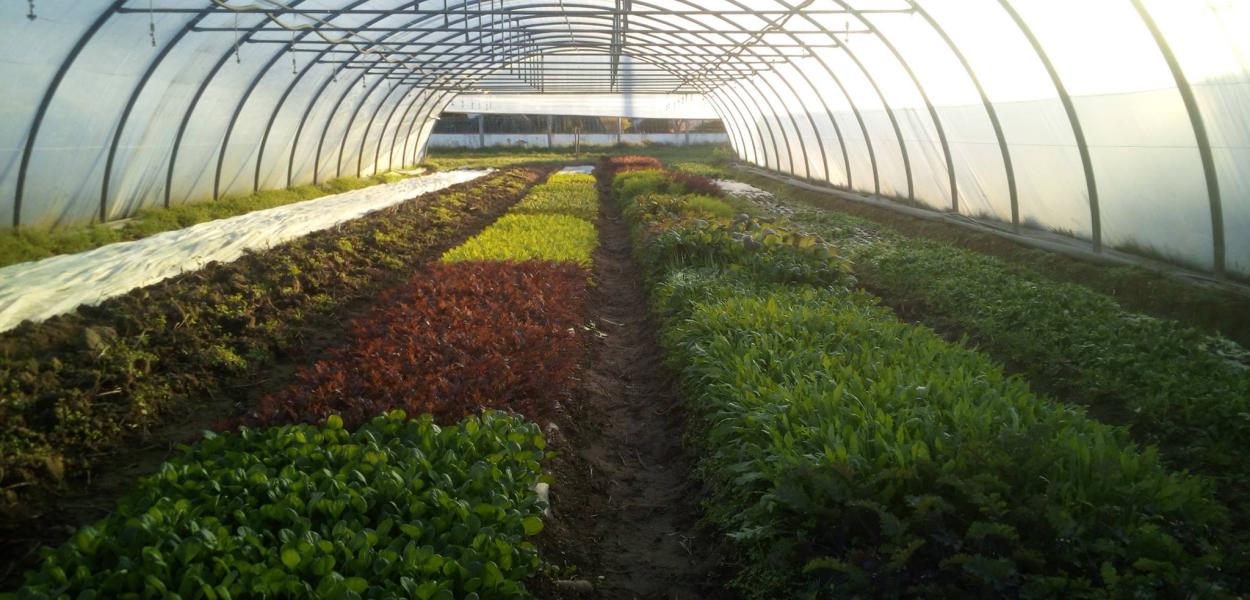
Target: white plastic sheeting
{"type": "Point", "coordinates": [742, 189]}
{"type": "Point", "coordinates": [1122, 122]}
{"type": "Point", "coordinates": [57, 285]}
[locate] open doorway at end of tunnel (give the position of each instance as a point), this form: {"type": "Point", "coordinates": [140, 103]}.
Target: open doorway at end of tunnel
{"type": "Point", "coordinates": [476, 130]}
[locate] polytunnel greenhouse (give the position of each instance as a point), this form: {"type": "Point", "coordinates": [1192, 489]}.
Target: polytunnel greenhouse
{"type": "Point", "coordinates": [625, 299]}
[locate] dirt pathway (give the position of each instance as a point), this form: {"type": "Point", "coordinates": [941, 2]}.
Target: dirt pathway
{"type": "Point", "coordinates": [626, 508]}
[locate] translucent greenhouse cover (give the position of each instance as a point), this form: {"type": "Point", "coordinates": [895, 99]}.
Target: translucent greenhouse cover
{"type": "Point", "coordinates": [1124, 123]}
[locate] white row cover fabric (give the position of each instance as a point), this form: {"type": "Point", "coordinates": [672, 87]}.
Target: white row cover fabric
{"type": "Point", "coordinates": [43, 289]}
{"type": "Point", "coordinates": [1122, 122]}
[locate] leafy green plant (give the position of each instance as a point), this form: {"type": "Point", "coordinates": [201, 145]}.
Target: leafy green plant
{"type": "Point", "coordinates": [398, 508]}
{"type": "Point", "coordinates": [571, 194]}
{"type": "Point", "coordinates": [709, 205]}
{"type": "Point", "coordinates": [1175, 386]}
{"type": "Point", "coordinates": [77, 385]}
{"type": "Point", "coordinates": [704, 169]}
{"type": "Point", "coordinates": [531, 237]}
{"type": "Point", "coordinates": [851, 454]}
{"type": "Point", "coordinates": [691, 231]}
{"type": "Point", "coordinates": [435, 346]}
{"type": "Point", "coordinates": [631, 184]}
{"type": "Point", "coordinates": [862, 455]}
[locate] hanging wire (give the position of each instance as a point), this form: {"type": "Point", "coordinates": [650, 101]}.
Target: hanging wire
{"type": "Point", "coordinates": [31, 13]}
{"type": "Point", "coordinates": [237, 59]}
{"type": "Point", "coordinates": [293, 68]}
{"type": "Point", "coordinates": [151, 24]}
{"type": "Point", "coordinates": [371, 47]}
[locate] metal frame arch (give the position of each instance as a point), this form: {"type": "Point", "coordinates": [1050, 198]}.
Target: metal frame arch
{"type": "Point", "coordinates": [885, 104]}
{"type": "Point", "coordinates": [450, 35]}
{"type": "Point", "coordinates": [1078, 132]}
{"type": "Point", "coordinates": [924, 95]}
{"type": "Point", "coordinates": [234, 118]}
{"type": "Point", "coordinates": [262, 74]}
{"type": "Point", "coordinates": [893, 118]}
{"type": "Point", "coordinates": [824, 154]}
{"type": "Point", "coordinates": [335, 71]}
{"type": "Point", "coordinates": [139, 87]}
{"type": "Point", "coordinates": [194, 103]}
{"type": "Point", "coordinates": [195, 100]}
{"type": "Point", "coordinates": [48, 94]}
{"type": "Point", "coordinates": [990, 110]}
{"type": "Point", "coordinates": [440, 96]}
{"type": "Point", "coordinates": [649, 31]}
{"type": "Point", "coordinates": [312, 102]}
{"type": "Point", "coordinates": [325, 128]}
{"type": "Point", "coordinates": [850, 100]}
{"type": "Point", "coordinates": [386, 127]}
{"type": "Point", "coordinates": [764, 114]}
{"type": "Point", "coordinates": [731, 93]}
{"type": "Point", "coordinates": [364, 138]}
{"type": "Point", "coordinates": [351, 120]}
{"type": "Point", "coordinates": [1196, 121]}
{"type": "Point", "coordinates": [828, 112]}
{"type": "Point", "coordinates": [782, 127]}
{"type": "Point", "coordinates": [437, 97]}
{"type": "Point", "coordinates": [728, 117]}
{"type": "Point", "coordinates": [330, 118]}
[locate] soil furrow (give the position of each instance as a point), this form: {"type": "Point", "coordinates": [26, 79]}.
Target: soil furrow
{"type": "Point", "coordinates": [626, 507]}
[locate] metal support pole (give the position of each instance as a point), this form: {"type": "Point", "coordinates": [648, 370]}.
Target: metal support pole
{"type": "Point", "coordinates": [481, 131]}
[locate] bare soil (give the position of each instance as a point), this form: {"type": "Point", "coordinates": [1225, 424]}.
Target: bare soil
{"type": "Point", "coordinates": [625, 506]}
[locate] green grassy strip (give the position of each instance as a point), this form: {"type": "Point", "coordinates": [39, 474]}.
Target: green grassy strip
{"type": "Point", "coordinates": [27, 244]}
{"type": "Point", "coordinates": [852, 454]}
{"type": "Point", "coordinates": [399, 508]}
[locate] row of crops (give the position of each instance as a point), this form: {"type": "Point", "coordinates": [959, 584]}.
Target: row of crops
{"type": "Point", "coordinates": [318, 495]}
{"type": "Point", "coordinates": [79, 385]}
{"type": "Point", "coordinates": [846, 452]}
{"type": "Point", "coordinates": [851, 453]}
{"type": "Point", "coordinates": [1175, 387]}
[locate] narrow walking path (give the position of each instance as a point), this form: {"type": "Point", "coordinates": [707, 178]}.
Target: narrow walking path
{"type": "Point", "coordinates": [625, 503]}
